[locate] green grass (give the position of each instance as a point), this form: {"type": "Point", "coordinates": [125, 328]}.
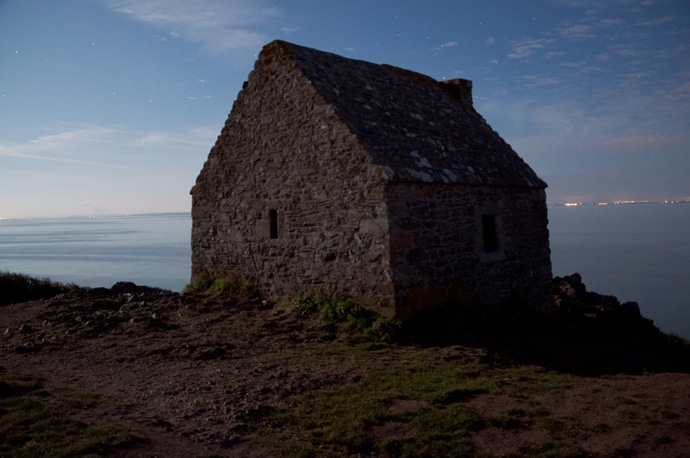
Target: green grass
{"type": "Point", "coordinates": [30, 428]}
{"type": "Point", "coordinates": [22, 288]}
{"type": "Point", "coordinates": [349, 419]}
{"type": "Point", "coordinates": [355, 320]}
{"type": "Point", "coordinates": [219, 287]}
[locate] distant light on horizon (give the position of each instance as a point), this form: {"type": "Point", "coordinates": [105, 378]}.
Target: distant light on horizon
{"type": "Point", "coordinates": [622, 202]}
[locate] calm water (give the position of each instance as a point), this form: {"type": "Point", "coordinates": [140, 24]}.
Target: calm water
{"type": "Point", "coordinates": [635, 252]}
{"type": "Point", "coordinates": [152, 250]}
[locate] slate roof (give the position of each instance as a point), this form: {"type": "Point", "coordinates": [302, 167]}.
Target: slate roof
{"type": "Point", "coordinates": [418, 129]}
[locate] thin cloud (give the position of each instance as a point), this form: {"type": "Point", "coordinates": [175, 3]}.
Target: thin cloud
{"type": "Point", "coordinates": [536, 80]}
{"type": "Point", "coordinates": [657, 21]}
{"type": "Point", "coordinates": [87, 144]}
{"type": "Point", "coordinates": [201, 138]}
{"type": "Point", "coordinates": [9, 151]}
{"type": "Point", "coordinates": [528, 47]}
{"type": "Point", "coordinates": [581, 67]}
{"type": "Point", "coordinates": [635, 141]}
{"type": "Point", "coordinates": [603, 57]}
{"type": "Point", "coordinates": [611, 22]}
{"type": "Point", "coordinates": [683, 89]}
{"type": "Point", "coordinates": [218, 26]}
{"type": "Point", "coordinates": [578, 32]}
{"type": "Point", "coordinates": [16, 151]}
{"type": "Point", "coordinates": [206, 133]}
{"type": "Point", "coordinates": [630, 49]}
{"type": "Point", "coordinates": [61, 146]}
{"type": "Point", "coordinates": [574, 64]}
{"type": "Point", "coordinates": [72, 137]}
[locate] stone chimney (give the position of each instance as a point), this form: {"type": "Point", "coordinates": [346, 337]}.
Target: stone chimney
{"type": "Point", "coordinates": [460, 88]}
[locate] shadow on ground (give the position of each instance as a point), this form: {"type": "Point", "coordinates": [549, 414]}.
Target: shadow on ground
{"type": "Point", "coordinates": [586, 334]}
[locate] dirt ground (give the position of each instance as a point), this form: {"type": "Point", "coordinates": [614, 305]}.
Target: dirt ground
{"type": "Point", "coordinates": [193, 376]}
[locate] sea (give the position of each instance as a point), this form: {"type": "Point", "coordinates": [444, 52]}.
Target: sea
{"type": "Point", "coordinates": [636, 252]}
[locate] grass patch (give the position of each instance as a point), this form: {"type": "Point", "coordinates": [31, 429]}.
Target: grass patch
{"type": "Point", "coordinates": [219, 287]}
{"type": "Point", "coordinates": [513, 418]}
{"type": "Point", "coordinates": [359, 418]}
{"type": "Point", "coordinates": [22, 288]}
{"type": "Point", "coordinates": [350, 317]}
{"type": "Point", "coordinates": [29, 428]}
{"type": "Point", "coordinates": [77, 398]}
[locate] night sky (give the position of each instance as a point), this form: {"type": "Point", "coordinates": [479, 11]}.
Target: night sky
{"type": "Point", "coordinates": [111, 106]}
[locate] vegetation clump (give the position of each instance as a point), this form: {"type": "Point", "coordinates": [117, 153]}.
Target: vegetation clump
{"type": "Point", "coordinates": [352, 316]}
{"type": "Point", "coordinates": [16, 288]}
{"type": "Point", "coordinates": [219, 287]}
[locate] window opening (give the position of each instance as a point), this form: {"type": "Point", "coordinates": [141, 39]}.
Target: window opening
{"type": "Point", "coordinates": [273, 223]}
{"type": "Point", "coordinates": [489, 233]}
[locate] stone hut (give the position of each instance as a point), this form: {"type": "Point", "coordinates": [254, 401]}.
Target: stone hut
{"type": "Point", "coordinates": [346, 178]}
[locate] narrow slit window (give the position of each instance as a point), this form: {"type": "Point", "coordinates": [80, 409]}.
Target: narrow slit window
{"type": "Point", "coordinates": [273, 223]}
{"type": "Point", "coordinates": [489, 233]}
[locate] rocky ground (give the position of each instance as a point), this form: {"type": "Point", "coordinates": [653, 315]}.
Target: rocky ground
{"type": "Point", "coordinates": [194, 374]}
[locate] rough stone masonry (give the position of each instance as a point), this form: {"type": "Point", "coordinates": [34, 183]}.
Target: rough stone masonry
{"type": "Point", "coordinates": [352, 179]}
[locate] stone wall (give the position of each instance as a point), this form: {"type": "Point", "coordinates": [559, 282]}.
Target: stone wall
{"type": "Point", "coordinates": [284, 149]}
{"type": "Point", "coordinates": [437, 246]}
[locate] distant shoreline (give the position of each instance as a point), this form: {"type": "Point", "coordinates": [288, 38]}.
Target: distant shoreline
{"type": "Point", "coordinates": [622, 202]}
{"type": "Point", "coordinates": [189, 213]}
{"type": "Point", "coordinates": [104, 215]}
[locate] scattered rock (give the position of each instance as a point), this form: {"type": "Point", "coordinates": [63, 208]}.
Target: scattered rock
{"type": "Point", "coordinates": [570, 297]}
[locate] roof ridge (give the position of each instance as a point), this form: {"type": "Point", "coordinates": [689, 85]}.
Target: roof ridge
{"type": "Point", "coordinates": [419, 128]}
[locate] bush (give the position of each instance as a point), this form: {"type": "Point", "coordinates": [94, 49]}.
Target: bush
{"type": "Point", "coordinates": [219, 287]}
{"type": "Point", "coordinates": [337, 311]}
{"type": "Point", "coordinates": [22, 288]}
{"type": "Point", "coordinates": [306, 305]}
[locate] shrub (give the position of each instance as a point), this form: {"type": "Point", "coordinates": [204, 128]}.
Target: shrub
{"type": "Point", "coordinates": [306, 305]}
{"type": "Point", "coordinates": [22, 288]}
{"type": "Point", "coordinates": [338, 311]}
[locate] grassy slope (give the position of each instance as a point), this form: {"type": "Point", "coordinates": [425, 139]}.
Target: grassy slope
{"type": "Point", "coordinates": [32, 425]}
{"type": "Point", "coordinates": [411, 396]}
